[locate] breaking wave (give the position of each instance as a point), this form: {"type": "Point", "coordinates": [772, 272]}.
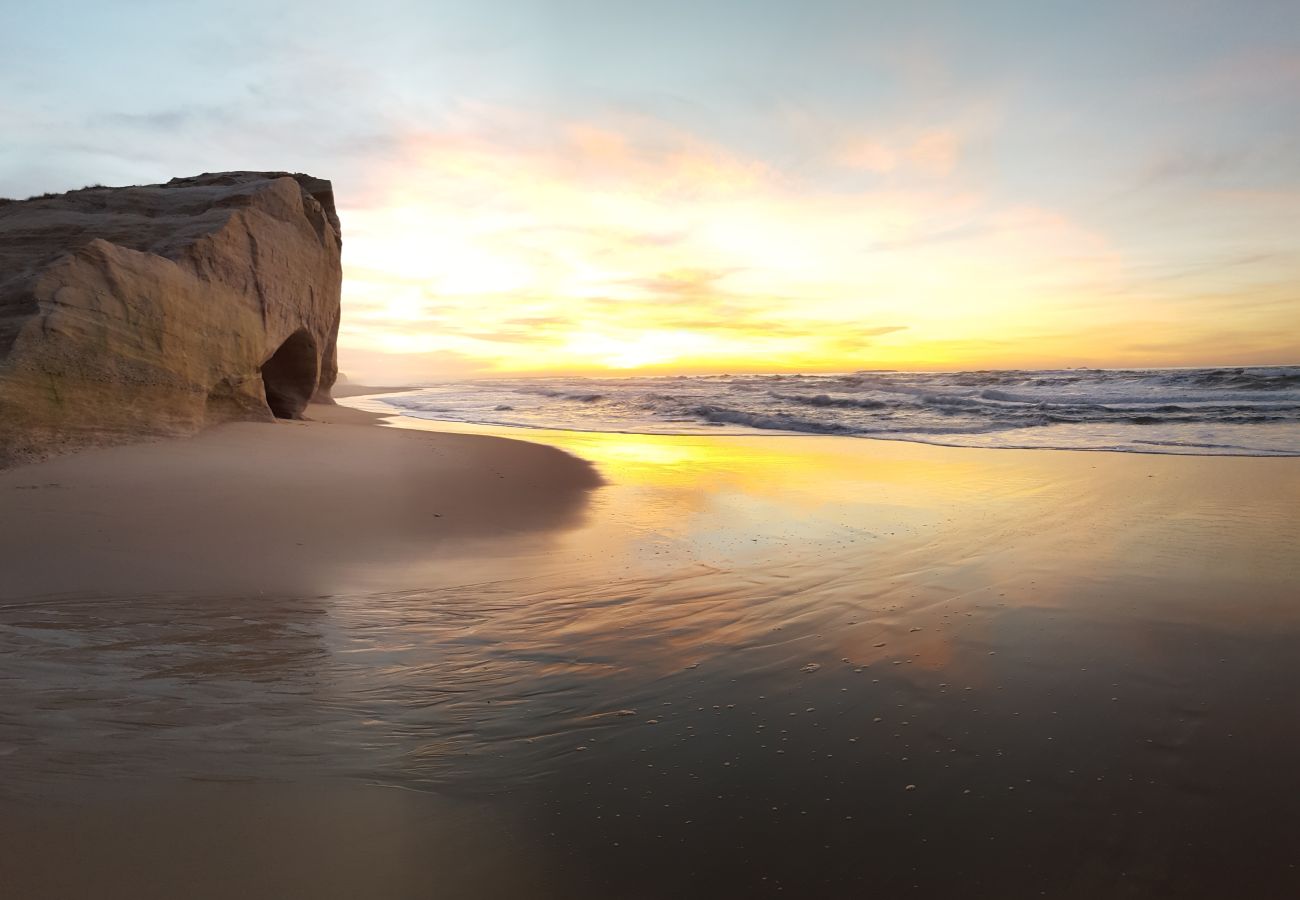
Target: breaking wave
{"type": "Point", "coordinates": [1234, 411]}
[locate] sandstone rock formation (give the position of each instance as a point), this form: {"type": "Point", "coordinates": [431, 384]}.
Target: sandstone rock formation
{"type": "Point", "coordinates": [157, 310]}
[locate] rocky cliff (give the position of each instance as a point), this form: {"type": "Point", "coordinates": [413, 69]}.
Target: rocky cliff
{"type": "Point", "coordinates": [158, 310]}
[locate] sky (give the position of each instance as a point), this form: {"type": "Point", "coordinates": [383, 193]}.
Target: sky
{"type": "Point", "coordinates": [709, 186]}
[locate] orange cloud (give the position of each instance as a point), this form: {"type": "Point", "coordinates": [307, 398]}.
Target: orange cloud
{"type": "Point", "coordinates": [509, 244]}
{"type": "Point", "coordinates": [933, 152]}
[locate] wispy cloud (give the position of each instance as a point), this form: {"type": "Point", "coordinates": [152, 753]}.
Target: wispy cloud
{"type": "Point", "coordinates": [1248, 74]}
{"type": "Point", "coordinates": [932, 153]}
{"type": "Point", "coordinates": [746, 266]}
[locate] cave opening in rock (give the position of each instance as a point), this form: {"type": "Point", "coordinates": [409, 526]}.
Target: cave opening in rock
{"type": "Point", "coordinates": [290, 376]}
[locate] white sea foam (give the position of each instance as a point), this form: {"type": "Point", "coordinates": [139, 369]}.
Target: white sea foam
{"type": "Point", "coordinates": [1238, 411]}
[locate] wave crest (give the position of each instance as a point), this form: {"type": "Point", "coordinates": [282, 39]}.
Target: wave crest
{"type": "Point", "coordinates": [1233, 410]}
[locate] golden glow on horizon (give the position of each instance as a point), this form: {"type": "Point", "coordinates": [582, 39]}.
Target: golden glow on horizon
{"type": "Point", "coordinates": [650, 251]}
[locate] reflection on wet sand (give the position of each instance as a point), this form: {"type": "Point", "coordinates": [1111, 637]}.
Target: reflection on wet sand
{"type": "Point", "coordinates": [815, 667]}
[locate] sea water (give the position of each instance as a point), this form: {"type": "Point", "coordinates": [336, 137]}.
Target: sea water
{"type": "Point", "coordinates": [1224, 411]}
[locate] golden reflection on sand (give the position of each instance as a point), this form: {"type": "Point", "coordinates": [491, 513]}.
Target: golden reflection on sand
{"type": "Point", "coordinates": [896, 529]}
{"type": "Point", "coordinates": [784, 631]}
{"type": "Point", "coordinates": [702, 561]}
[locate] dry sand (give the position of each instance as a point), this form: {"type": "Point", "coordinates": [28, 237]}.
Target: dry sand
{"type": "Point", "coordinates": [288, 507]}
{"type": "Point", "coordinates": [253, 664]}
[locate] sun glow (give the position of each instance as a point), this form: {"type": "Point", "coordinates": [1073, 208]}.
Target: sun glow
{"type": "Point", "coordinates": [646, 249]}
{"type": "Point", "coordinates": [639, 351]}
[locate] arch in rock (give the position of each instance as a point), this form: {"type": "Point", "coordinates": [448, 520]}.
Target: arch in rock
{"type": "Point", "coordinates": [290, 375]}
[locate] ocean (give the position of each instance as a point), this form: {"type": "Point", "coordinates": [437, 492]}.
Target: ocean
{"type": "Point", "coordinates": [1223, 411]}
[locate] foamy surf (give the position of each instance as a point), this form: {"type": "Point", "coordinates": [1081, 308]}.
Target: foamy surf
{"type": "Point", "coordinates": [1227, 412]}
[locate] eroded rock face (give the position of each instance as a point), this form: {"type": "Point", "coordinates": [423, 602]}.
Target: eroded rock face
{"type": "Point", "coordinates": [158, 310]}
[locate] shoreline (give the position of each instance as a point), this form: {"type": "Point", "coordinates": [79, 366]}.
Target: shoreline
{"type": "Point", "coordinates": [504, 430]}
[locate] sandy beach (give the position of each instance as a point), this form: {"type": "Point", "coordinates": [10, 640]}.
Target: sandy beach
{"type": "Point", "coordinates": [334, 659]}
{"type": "Point", "coordinates": [299, 506]}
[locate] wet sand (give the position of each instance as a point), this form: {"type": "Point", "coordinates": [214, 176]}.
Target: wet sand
{"type": "Point", "coordinates": [767, 666]}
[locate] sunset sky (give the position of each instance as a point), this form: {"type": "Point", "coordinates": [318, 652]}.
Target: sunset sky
{"type": "Point", "coordinates": [583, 187]}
